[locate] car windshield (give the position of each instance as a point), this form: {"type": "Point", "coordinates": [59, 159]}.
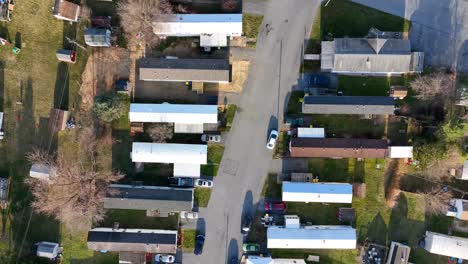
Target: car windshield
{"type": "Point", "coordinates": [273, 136]}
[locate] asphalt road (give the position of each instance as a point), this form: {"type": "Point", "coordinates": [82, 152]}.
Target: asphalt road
{"type": "Point", "coordinates": [246, 160]}
{"type": "Point", "coordinates": [439, 28]}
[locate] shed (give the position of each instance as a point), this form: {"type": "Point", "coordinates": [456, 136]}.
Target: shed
{"type": "Point", "coordinates": [133, 240]}
{"type": "Point", "coordinates": [184, 116]}
{"type": "Point", "coordinates": [6, 7]}
{"type": "Point", "coordinates": [66, 10]}
{"type": "Point", "coordinates": [464, 175]}
{"type": "Point", "coordinates": [192, 25]}
{"type": "Point", "coordinates": [398, 91]}
{"type": "Point", "coordinates": [47, 250]}
{"type": "Point", "coordinates": [169, 153]}
{"type": "Point", "coordinates": [317, 192]}
{"type": "Point", "coordinates": [302, 177]}
{"type": "Point", "coordinates": [155, 198]}
{"type": "Point", "coordinates": [359, 190]}
{"type": "Point", "coordinates": [292, 221]}
{"type": "Point", "coordinates": [183, 70]}
{"type": "Point", "coordinates": [445, 245]}
{"type": "Point", "coordinates": [309, 132]}
{"type": "Point", "coordinates": [312, 237]}
{"type": "Point", "coordinates": [399, 253]}
{"type": "Point", "coordinates": [98, 37]}
{"type": "Point", "coordinates": [66, 55]}
{"type": "Point", "coordinates": [338, 148]}
{"type": "Point", "coordinates": [396, 152]}
{"type": "Point", "coordinates": [42, 172]}
{"type": "Point", "coordinates": [349, 105]}
{"type": "Point", "coordinates": [458, 208]}
{"type": "Point", "coordinates": [58, 119]}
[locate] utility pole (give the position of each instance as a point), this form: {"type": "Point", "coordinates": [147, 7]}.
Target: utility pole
{"type": "Point", "coordinates": [76, 43]}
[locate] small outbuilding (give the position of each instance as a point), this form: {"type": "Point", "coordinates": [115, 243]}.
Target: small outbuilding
{"type": "Point", "coordinates": [464, 174]}
{"type": "Point", "coordinates": [98, 37]}
{"type": "Point", "coordinates": [310, 132]}
{"type": "Point", "coordinates": [450, 246]}
{"type": "Point", "coordinates": [66, 10]}
{"type": "Point", "coordinates": [42, 171]}
{"type": "Point", "coordinates": [398, 152]}
{"type": "Point", "coordinates": [324, 192]}
{"type": "Point", "coordinates": [398, 254]}
{"type": "Point", "coordinates": [398, 91]}
{"type": "Point", "coordinates": [58, 119]}
{"type": "Point", "coordinates": [458, 208]}
{"type": "Point", "coordinates": [66, 55]}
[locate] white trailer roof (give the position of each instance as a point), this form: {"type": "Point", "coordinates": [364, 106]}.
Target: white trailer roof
{"type": "Point", "coordinates": [317, 192]}
{"type": "Point", "coordinates": [169, 153]}
{"type": "Point", "coordinates": [186, 25]}
{"type": "Point", "coordinates": [259, 260]}
{"type": "Point", "coordinates": [400, 152]}
{"type": "Point", "coordinates": [318, 237]}
{"type": "Point", "coordinates": [309, 132]}
{"type": "Point", "coordinates": [173, 113]}
{"type": "Point", "coordinates": [444, 245]}
{"type": "Point", "coordinates": [186, 170]}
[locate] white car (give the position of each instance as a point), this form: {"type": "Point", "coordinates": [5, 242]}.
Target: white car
{"type": "Point", "coordinates": [204, 183]}
{"type": "Point", "coordinates": [191, 215]}
{"type": "Point", "coordinates": [162, 258]}
{"type": "Point", "coordinates": [272, 139]}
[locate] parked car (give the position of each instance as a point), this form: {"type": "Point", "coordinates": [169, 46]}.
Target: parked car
{"type": "Point", "coordinates": [246, 224]}
{"type": "Point", "coordinates": [279, 206]}
{"type": "Point", "coordinates": [199, 241]}
{"type": "Point", "coordinates": [211, 138]}
{"type": "Point", "coordinates": [204, 183]}
{"type": "Point", "coordinates": [191, 215]}
{"type": "Point", "coordinates": [181, 182]}
{"type": "Point", "coordinates": [162, 258]}
{"type": "Point", "coordinates": [272, 139]}
{"type": "Point", "coordinates": [250, 247]}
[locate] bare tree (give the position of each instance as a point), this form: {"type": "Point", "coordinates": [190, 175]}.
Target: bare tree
{"type": "Point", "coordinates": [160, 132]}
{"type": "Point", "coordinates": [435, 84]}
{"type": "Point", "coordinates": [437, 201]}
{"type": "Point", "coordinates": [75, 195]}
{"type": "Point", "coordinates": [137, 17]}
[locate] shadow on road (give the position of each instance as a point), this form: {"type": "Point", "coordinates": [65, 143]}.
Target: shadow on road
{"type": "Point", "coordinates": [272, 124]}
{"type": "Point", "coordinates": [233, 251]}
{"type": "Point", "coordinates": [201, 226]}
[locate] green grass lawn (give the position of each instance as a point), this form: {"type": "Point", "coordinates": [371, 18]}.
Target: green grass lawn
{"type": "Point", "coordinates": [368, 85]}
{"type": "Point", "coordinates": [215, 155]}
{"type": "Point", "coordinates": [343, 18]}
{"type": "Point", "coordinates": [282, 145]}
{"type": "Point", "coordinates": [251, 24]}
{"type": "Point", "coordinates": [189, 239]}
{"type": "Point", "coordinates": [295, 103]}
{"type": "Point", "coordinates": [349, 126]}
{"type": "Point", "coordinates": [271, 188]}
{"type": "Point", "coordinates": [227, 117]}
{"type": "Point", "coordinates": [202, 196]}
{"type": "Point", "coordinates": [406, 222]}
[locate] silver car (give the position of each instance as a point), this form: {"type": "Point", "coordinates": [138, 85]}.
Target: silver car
{"type": "Point", "coordinates": [211, 138]}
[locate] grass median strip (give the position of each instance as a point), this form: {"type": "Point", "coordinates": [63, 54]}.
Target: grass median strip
{"type": "Point", "coordinates": [215, 155]}
{"type": "Point", "coordinates": [202, 196]}
{"type": "Point", "coordinates": [188, 243]}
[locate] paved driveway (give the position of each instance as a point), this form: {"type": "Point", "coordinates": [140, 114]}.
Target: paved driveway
{"type": "Point", "coordinates": [440, 28]}
{"type": "Point", "coordinates": [246, 160]}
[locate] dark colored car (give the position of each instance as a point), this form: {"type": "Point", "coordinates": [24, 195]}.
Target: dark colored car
{"type": "Point", "coordinates": [246, 223]}
{"type": "Point", "coordinates": [122, 85]}
{"type": "Point", "coordinates": [280, 206]}
{"type": "Point", "coordinates": [199, 241]}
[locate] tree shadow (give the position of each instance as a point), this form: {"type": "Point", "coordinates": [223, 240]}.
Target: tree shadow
{"type": "Point", "coordinates": [377, 230]}
{"type": "Point", "coordinates": [62, 86]}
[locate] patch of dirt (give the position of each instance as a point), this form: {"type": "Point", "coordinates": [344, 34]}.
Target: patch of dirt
{"type": "Point", "coordinates": [440, 170]}
{"type": "Point", "coordinates": [103, 67]}
{"type": "Point", "coordinates": [240, 71]}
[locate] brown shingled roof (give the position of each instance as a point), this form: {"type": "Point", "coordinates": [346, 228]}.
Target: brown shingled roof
{"type": "Point", "coordinates": [67, 10]}
{"type": "Point", "coordinates": [338, 148]}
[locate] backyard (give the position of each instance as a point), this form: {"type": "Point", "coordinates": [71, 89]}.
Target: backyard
{"type": "Point", "coordinates": [375, 222]}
